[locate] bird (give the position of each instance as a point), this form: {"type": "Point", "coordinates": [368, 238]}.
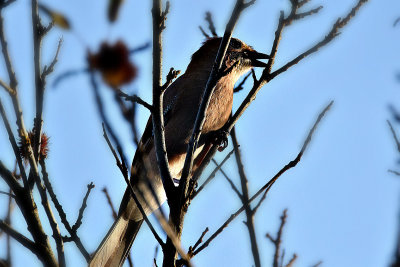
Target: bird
{"type": "Point", "coordinates": [181, 103]}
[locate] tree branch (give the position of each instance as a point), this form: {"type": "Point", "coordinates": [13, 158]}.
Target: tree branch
{"type": "Point", "coordinates": [245, 200]}
{"type": "Point", "coordinates": [265, 189]}
{"type": "Point", "coordinates": [78, 222]}
{"type": "Point", "coordinates": [74, 236]}
{"type": "Point", "coordinates": [19, 237]}
{"type": "Point", "coordinates": [14, 145]}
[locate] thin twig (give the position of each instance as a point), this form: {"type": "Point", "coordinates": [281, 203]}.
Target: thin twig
{"type": "Point", "coordinates": [100, 108]}
{"type": "Point", "coordinates": [198, 242]}
{"type": "Point", "coordinates": [291, 261]}
{"type": "Point", "coordinates": [78, 222]}
{"type": "Point", "coordinates": [49, 69]}
{"type": "Point", "coordinates": [135, 99]}
{"type": "Point", "coordinates": [394, 172]}
{"type": "Point", "coordinates": [240, 87]}
{"type": "Point", "coordinates": [19, 237]}
{"type": "Point", "coordinates": [140, 48]}
{"type": "Point", "coordinates": [212, 174]}
{"type": "Point", "coordinates": [171, 76]}
{"type": "Point", "coordinates": [394, 136]}
{"type": "Point", "coordinates": [110, 204]}
{"type": "Point", "coordinates": [67, 74]}
{"type": "Point", "coordinates": [204, 33]}
{"type": "Point", "coordinates": [74, 236]}
{"type": "Point", "coordinates": [268, 76]}
{"type": "Point", "coordinates": [317, 264]}
{"type": "Point", "coordinates": [14, 145]}
{"type": "Point", "coordinates": [210, 22]}
{"type": "Point", "coordinates": [7, 194]}
{"type": "Point", "coordinates": [6, 87]}
{"type": "Point", "coordinates": [269, 184]}
{"type": "Point", "coordinates": [233, 186]}
{"type": "Point", "coordinates": [8, 222]}
{"type": "Point", "coordinates": [245, 199]}
{"type": "Point", "coordinates": [130, 188]}
{"type": "Point", "coordinates": [277, 241]}
{"type": "Point", "coordinates": [29, 209]}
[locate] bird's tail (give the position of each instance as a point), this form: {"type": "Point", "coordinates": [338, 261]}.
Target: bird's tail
{"type": "Point", "coordinates": [115, 247]}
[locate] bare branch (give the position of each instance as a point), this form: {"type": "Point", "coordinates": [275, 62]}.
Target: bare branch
{"type": "Point", "coordinates": [394, 135]}
{"type": "Point", "coordinates": [233, 186]}
{"type": "Point", "coordinates": [100, 108]}
{"type": "Point", "coordinates": [78, 222]}
{"type": "Point", "coordinates": [245, 200]}
{"type": "Point", "coordinates": [240, 87]}
{"type": "Point", "coordinates": [6, 87]}
{"type": "Point", "coordinates": [212, 175]}
{"type": "Point", "coordinates": [140, 48]}
{"type": "Point", "coordinates": [396, 22]}
{"type": "Point", "coordinates": [171, 76]}
{"type": "Point", "coordinates": [19, 237]}
{"type": "Point", "coordinates": [7, 194]}
{"type": "Point", "coordinates": [9, 178]}
{"type": "Point", "coordinates": [317, 264]}
{"type": "Point", "coordinates": [130, 188]}
{"type": "Point", "coordinates": [69, 74]}
{"type": "Point", "coordinates": [204, 33]}
{"type": "Point", "coordinates": [291, 261]}
{"type": "Point", "coordinates": [198, 242]}
{"type": "Point", "coordinates": [278, 240]}
{"type": "Point", "coordinates": [113, 211]}
{"type": "Point", "coordinates": [302, 3]}
{"type": "Point", "coordinates": [268, 185]}
{"type": "Point", "coordinates": [267, 75]}
{"type": "Point", "coordinates": [210, 22]}
{"type": "Point", "coordinates": [74, 236]}
{"type": "Point", "coordinates": [14, 145]}
{"type": "Point", "coordinates": [334, 32]}
{"type": "Point", "coordinates": [50, 68]}
{"type": "Point", "coordinates": [307, 13]}
{"type": "Point", "coordinates": [135, 99]}
{"type": "Point", "coordinates": [394, 172]}
{"type": "Point", "coordinates": [6, 3]}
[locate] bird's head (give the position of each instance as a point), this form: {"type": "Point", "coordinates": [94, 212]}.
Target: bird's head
{"type": "Point", "coordinates": [239, 57]}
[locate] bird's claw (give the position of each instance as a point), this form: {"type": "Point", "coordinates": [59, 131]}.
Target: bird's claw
{"type": "Point", "coordinates": [221, 139]}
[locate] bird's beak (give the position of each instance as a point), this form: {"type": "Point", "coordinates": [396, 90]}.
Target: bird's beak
{"type": "Point", "coordinates": [253, 55]}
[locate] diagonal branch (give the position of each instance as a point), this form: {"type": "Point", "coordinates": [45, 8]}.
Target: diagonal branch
{"type": "Point", "coordinates": [78, 222]}
{"type": "Point", "coordinates": [245, 201]}
{"type": "Point", "coordinates": [233, 186]}
{"type": "Point", "coordinates": [396, 139]}
{"type": "Point", "coordinates": [278, 239]}
{"type": "Point", "coordinates": [135, 99]}
{"type": "Point", "coordinates": [212, 175]}
{"type": "Point", "coordinates": [19, 237]}
{"type": "Point", "coordinates": [124, 172]}
{"type": "Point", "coordinates": [265, 189]}
{"type": "Point", "coordinates": [74, 236]}
{"type": "Point", "coordinates": [14, 145]}
{"type": "Point", "coordinates": [113, 211]}
{"type": "Point", "coordinates": [268, 76]}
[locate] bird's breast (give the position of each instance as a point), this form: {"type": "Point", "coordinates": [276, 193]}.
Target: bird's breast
{"type": "Point", "coordinates": [220, 106]}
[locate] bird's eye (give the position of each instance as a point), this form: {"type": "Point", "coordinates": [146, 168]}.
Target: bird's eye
{"type": "Point", "coordinates": [235, 44]}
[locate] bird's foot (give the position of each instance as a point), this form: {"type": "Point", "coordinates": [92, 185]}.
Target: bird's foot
{"type": "Point", "coordinates": [221, 139]}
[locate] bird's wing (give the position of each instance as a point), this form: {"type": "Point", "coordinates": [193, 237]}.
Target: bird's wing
{"type": "Point", "coordinates": [170, 99]}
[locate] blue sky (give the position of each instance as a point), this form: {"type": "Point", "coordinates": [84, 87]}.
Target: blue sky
{"type": "Point", "coordinates": [342, 203]}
